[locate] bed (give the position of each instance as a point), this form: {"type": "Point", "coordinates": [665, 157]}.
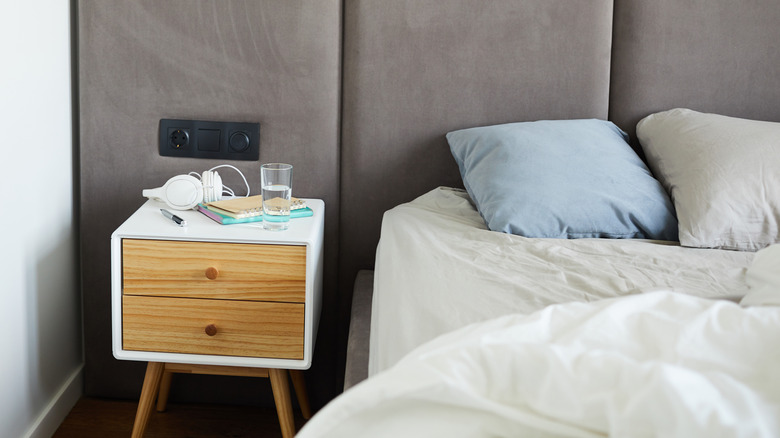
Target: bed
{"type": "Point", "coordinates": [675, 106]}
{"type": "Point", "coordinates": [583, 323]}
{"type": "Point", "coordinates": [570, 291]}
{"type": "Point", "coordinates": [580, 320]}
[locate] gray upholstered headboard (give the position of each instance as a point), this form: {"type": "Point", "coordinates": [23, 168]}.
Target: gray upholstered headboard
{"type": "Point", "coordinates": [716, 56]}
{"type": "Point", "coordinates": [268, 61]}
{"type": "Point", "coordinates": [359, 95]}
{"type": "Point", "coordinates": [415, 69]}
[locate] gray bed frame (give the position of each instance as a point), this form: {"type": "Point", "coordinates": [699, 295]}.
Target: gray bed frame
{"type": "Point", "coordinates": [359, 329]}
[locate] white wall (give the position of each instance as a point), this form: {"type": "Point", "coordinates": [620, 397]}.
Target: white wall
{"type": "Point", "coordinates": [40, 319]}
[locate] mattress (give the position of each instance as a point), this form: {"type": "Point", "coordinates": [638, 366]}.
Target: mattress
{"type": "Point", "coordinates": [438, 268]}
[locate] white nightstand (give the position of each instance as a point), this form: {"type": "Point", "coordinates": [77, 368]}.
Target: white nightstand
{"type": "Point", "coordinates": [216, 299]}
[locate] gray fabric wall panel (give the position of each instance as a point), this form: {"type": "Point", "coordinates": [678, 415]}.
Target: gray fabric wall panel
{"type": "Point", "coordinates": [267, 61]}
{"type": "Point", "coordinates": [414, 70]}
{"type": "Point", "coordinates": [717, 56]}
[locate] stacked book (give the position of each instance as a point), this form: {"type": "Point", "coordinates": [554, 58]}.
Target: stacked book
{"type": "Point", "coordinates": [248, 209]}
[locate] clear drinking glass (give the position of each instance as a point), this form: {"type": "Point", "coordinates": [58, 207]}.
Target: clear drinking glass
{"type": "Point", "coordinates": [276, 184]}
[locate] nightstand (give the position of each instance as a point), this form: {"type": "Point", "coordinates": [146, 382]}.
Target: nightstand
{"type": "Point", "coordinates": [216, 299]}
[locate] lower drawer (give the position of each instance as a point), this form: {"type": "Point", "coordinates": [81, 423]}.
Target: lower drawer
{"type": "Point", "coordinates": [216, 327]}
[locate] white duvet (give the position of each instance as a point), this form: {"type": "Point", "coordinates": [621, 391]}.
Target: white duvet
{"type": "Point", "coordinates": [658, 363]}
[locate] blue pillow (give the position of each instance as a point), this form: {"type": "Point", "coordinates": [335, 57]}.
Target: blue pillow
{"type": "Point", "coordinates": [564, 179]}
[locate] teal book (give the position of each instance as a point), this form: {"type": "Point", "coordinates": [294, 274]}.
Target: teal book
{"type": "Point", "coordinates": [227, 220]}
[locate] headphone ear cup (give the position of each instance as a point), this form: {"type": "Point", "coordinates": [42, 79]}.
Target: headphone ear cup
{"type": "Point", "coordinates": [182, 192]}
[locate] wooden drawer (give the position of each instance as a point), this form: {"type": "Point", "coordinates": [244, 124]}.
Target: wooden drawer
{"type": "Point", "coordinates": [243, 328]}
{"type": "Point", "coordinates": [214, 270]}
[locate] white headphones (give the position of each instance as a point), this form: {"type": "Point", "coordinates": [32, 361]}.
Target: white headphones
{"type": "Point", "coordinates": [183, 192]}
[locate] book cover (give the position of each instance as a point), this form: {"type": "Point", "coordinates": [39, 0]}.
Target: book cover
{"type": "Point", "coordinates": [232, 214]}
{"type": "Point", "coordinates": [247, 206]}
{"type": "Point", "coordinates": [227, 220]}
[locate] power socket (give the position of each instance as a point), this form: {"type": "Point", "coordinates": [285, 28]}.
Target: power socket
{"type": "Point", "coordinates": [178, 138]}
{"type": "Point", "coordinates": [205, 139]}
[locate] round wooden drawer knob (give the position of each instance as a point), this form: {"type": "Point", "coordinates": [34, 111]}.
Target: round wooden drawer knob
{"type": "Point", "coordinates": [211, 329]}
{"type": "Point", "coordinates": [211, 273]}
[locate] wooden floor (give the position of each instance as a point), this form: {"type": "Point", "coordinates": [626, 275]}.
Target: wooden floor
{"type": "Point", "coordinates": [92, 417]}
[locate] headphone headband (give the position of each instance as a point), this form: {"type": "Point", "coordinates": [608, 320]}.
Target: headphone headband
{"type": "Point", "coordinates": [184, 192]}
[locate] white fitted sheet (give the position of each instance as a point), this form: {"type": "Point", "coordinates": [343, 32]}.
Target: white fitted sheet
{"type": "Point", "coordinates": [438, 268]}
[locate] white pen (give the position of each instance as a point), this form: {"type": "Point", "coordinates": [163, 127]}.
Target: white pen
{"type": "Point", "coordinates": [179, 221]}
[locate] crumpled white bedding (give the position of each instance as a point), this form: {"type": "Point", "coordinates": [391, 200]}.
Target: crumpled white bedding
{"type": "Point", "coordinates": [653, 364]}
{"type": "Point", "coordinates": [438, 269]}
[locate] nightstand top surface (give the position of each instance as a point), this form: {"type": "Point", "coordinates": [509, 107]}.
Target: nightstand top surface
{"type": "Point", "coordinates": [149, 223]}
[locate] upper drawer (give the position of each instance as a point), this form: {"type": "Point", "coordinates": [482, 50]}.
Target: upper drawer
{"type": "Point", "coordinates": [214, 270]}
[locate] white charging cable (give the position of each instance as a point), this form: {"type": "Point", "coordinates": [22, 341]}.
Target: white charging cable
{"type": "Point", "coordinates": [225, 189]}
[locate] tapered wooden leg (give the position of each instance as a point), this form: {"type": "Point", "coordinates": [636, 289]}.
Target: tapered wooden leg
{"type": "Point", "coordinates": [281, 389]}
{"type": "Point", "coordinates": [154, 371]}
{"type": "Point", "coordinates": [165, 389]}
{"type": "Point", "coordinates": [300, 391]}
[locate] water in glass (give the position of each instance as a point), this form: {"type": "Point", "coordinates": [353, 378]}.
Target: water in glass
{"type": "Point", "coordinates": [276, 207]}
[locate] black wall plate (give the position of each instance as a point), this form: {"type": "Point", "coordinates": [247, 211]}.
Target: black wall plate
{"type": "Point", "coordinates": [203, 139]}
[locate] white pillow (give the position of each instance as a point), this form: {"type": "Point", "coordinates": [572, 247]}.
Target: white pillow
{"type": "Point", "coordinates": [763, 277]}
{"type": "Point", "coordinates": [722, 173]}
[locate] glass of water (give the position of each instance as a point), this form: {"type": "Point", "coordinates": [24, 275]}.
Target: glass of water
{"type": "Point", "coordinates": [276, 184]}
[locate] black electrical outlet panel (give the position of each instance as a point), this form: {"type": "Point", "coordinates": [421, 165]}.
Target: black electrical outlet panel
{"type": "Point", "coordinates": [202, 139]}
